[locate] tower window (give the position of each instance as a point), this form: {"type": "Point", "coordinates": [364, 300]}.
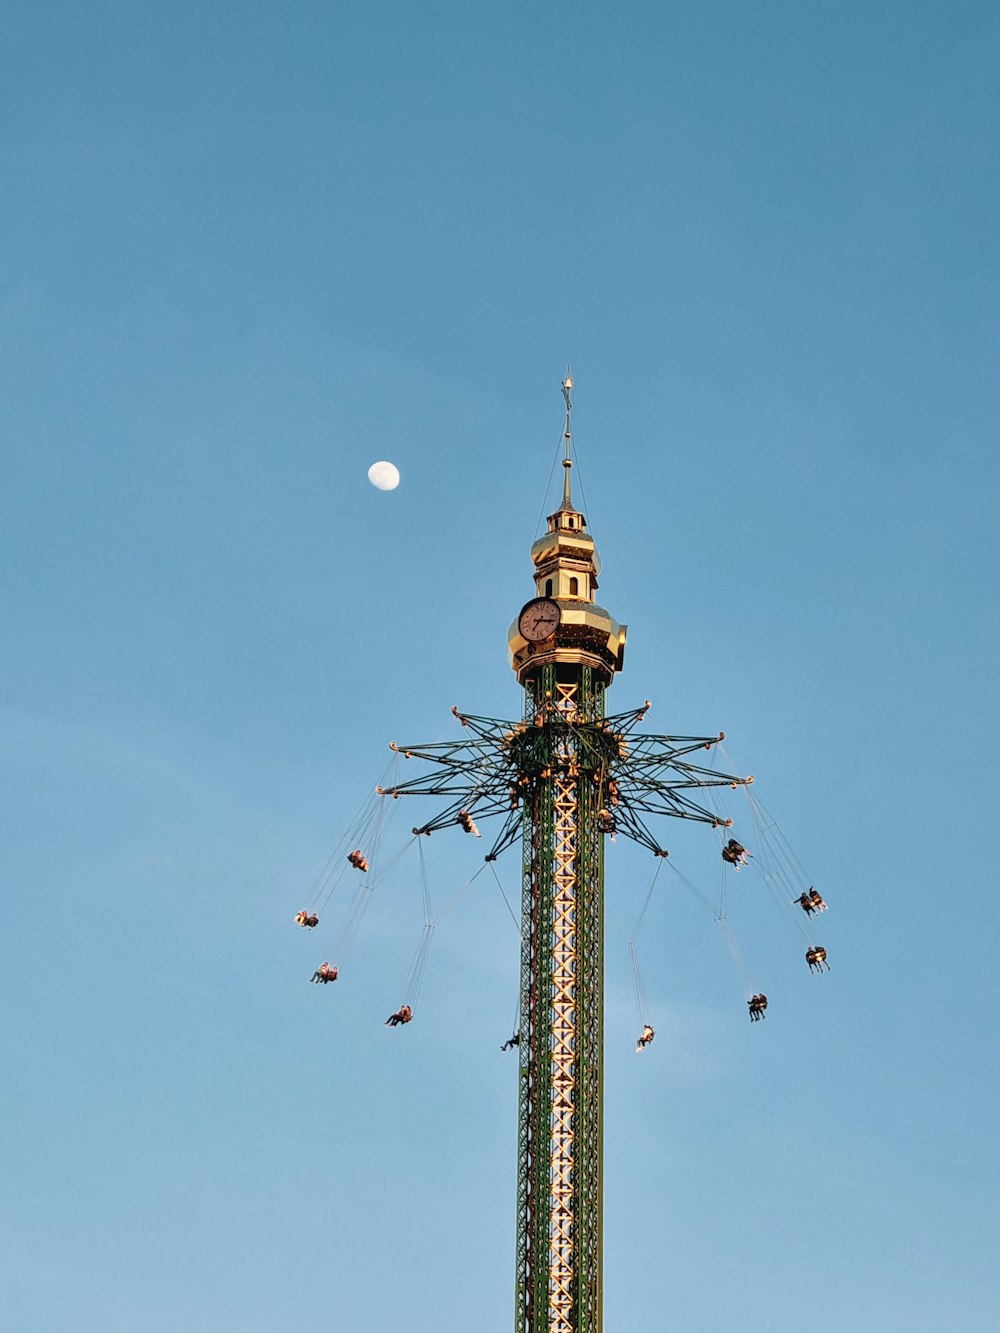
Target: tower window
{"type": "Point", "coordinates": [574, 587]}
{"type": "Point", "coordinates": [548, 587]}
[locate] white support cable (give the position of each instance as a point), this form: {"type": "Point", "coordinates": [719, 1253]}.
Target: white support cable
{"type": "Point", "coordinates": [777, 881]}
{"type": "Point", "coordinates": [332, 873]}
{"type": "Point", "coordinates": [641, 998]}
{"type": "Point", "coordinates": [693, 889]}
{"type": "Point", "coordinates": [503, 895]}
{"type": "Point", "coordinates": [548, 485]}
{"type": "Point", "coordinates": [739, 958]}
{"type": "Point", "coordinates": [463, 890]}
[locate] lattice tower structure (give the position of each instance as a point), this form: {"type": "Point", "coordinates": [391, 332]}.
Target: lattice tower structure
{"type": "Point", "coordinates": [560, 1149]}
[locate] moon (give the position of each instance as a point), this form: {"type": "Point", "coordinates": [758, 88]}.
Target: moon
{"type": "Point", "coordinates": [384, 475]}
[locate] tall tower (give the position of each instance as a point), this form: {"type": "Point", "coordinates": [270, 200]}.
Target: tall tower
{"type": "Point", "coordinates": [565, 650]}
{"type": "Point", "coordinates": [561, 779]}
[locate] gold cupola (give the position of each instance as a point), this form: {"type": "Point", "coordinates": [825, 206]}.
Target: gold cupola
{"type": "Point", "coordinates": [563, 623]}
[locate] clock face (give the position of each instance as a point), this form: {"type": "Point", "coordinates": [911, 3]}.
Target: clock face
{"type": "Point", "coordinates": [539, 620]}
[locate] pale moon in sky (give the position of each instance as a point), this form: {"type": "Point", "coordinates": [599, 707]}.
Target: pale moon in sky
{"type": "Point", "coordinates": [384, 475]}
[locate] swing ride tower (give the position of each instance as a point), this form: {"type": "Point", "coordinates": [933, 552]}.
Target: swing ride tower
{"type": "Point", "coordinates": [562, 779]}
{"type": "Point", "coordinates": [565, 651]}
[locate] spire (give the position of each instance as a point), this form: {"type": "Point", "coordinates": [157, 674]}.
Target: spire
{"type": "Point", "coordinates": [565, 558]}
{"type": "Point", "coordinates": [567, 386]}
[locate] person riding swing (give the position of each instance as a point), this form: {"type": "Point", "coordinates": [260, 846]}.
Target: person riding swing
{"type": "Point", "coordinates": [735, 853]}
{"type": "Point", "coordinates": [325, 973]}
{"type": "Point", "coordinates": [810, 901]}
{"type": "Point", "coordinates": [468, 823]}
{"type": "Point", "coordinates": [402, 1015]}
{"type": "Point", "coordinates": [648, 1033]}
{"type": "Point", "coordinates": [816, 958]}
{"type": "Point", "coordinates": [606, 823]}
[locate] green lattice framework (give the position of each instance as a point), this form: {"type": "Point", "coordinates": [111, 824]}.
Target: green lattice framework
{"type": "Point", "coordinates": [560, 1146]}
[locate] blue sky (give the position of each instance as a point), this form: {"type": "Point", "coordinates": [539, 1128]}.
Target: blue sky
{"type": "Point", "coordinates": [248, 251]}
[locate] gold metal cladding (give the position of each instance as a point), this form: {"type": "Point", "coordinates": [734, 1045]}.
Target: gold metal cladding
{"type": "Point", "coordinates": [587, 635]}
{"type": "Point", "coordinates": [600, 660]}
{"type": "Point", "coordinates": [577, 546]}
